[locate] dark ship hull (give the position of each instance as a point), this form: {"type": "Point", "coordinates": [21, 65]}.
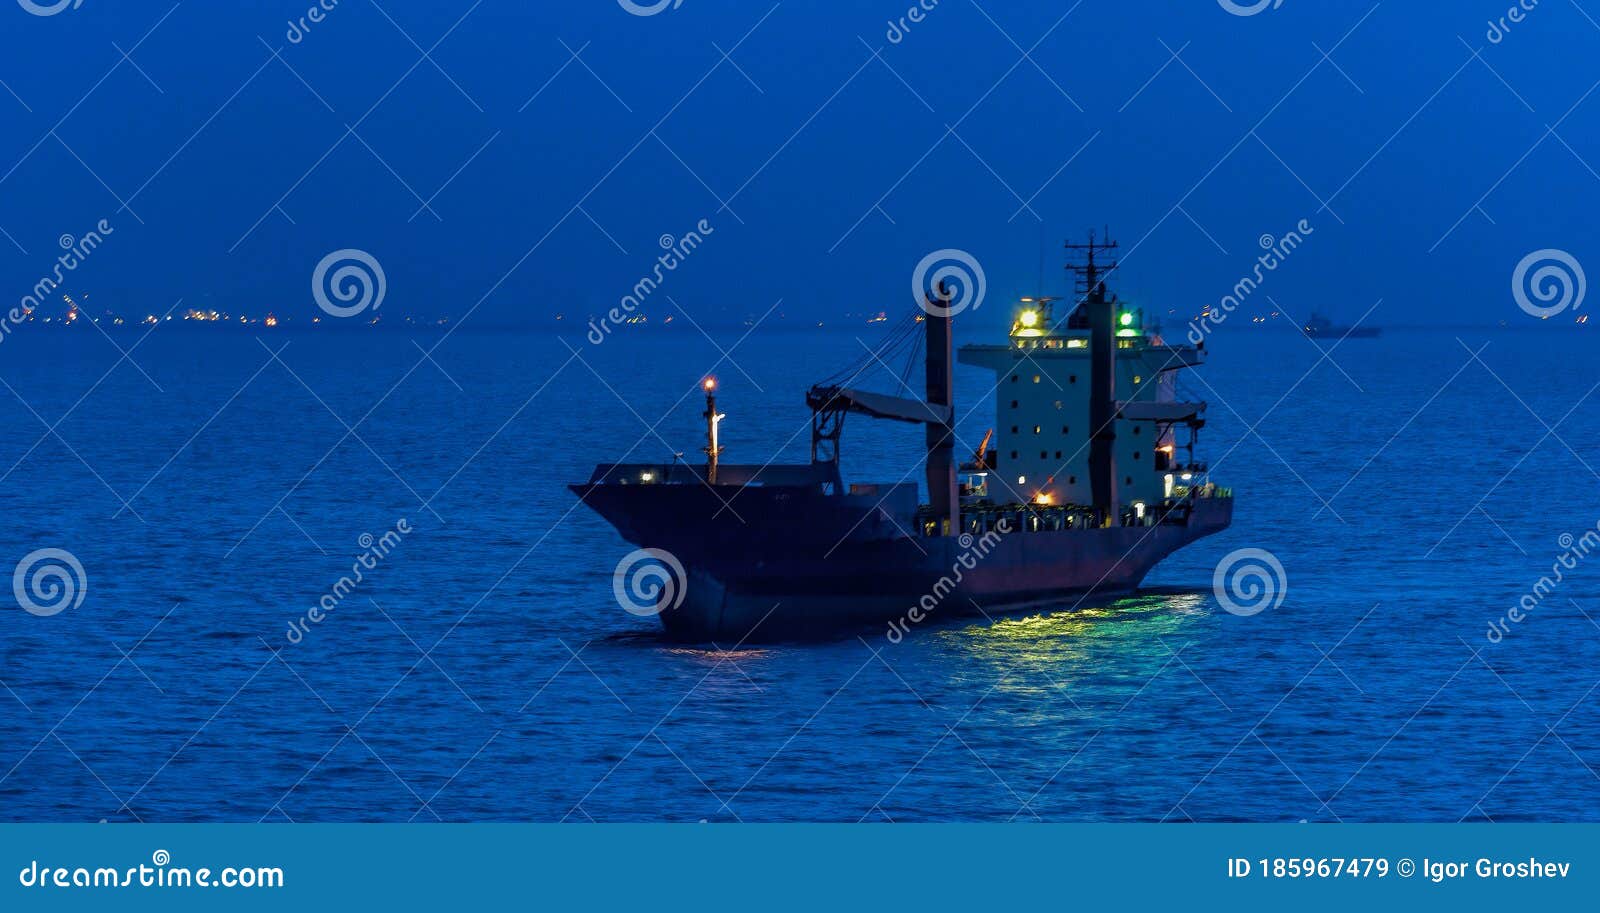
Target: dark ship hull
{"type": "Point", "coordinates": [814, 565]}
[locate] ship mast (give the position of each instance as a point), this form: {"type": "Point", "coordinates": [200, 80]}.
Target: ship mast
{"type": "Point", "coordinates": [944, 500]}
{"type": "Point", "coordinates": [1101, 311]}
{"type": "Point", "coordinates": [713, 418]}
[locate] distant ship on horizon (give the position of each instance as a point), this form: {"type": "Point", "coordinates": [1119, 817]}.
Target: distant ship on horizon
{"type": "Point", "coordinates": [1320, 327]}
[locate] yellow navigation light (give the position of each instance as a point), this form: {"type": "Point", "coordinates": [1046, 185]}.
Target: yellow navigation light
{"type": "Point", "coordinates": [1127, 318]}
{"type": "Point", "coordinates": [1028, 323]}
{"type": "Point", "coordinates": [1125, 334]}
{"type": "Point", "coordinates": [711, 384]}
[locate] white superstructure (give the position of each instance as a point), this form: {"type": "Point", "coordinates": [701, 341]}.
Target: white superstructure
{"type": "Point", "coordinates": [1042, 391]}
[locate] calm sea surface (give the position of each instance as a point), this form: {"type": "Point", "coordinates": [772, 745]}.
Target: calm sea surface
{"type": "Point", "coordinates": [483, 670]}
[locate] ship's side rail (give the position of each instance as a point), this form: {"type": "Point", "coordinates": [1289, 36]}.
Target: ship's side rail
{"type": "Point", "coordinates": [982, 517]}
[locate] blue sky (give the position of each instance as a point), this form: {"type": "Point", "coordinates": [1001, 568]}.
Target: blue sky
{"type": "Point", "coordinates": [827, 172]}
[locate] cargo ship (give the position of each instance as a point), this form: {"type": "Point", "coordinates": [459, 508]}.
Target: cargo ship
{"type": "Point", "coordinates": [1086, 487]}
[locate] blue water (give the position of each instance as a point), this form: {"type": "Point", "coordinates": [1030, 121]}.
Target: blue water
{"type": "Point", "coordinates": [1370, 693]}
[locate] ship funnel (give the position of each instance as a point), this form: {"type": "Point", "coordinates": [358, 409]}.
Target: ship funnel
{"type": "Point", "coordinates": [1101, 312]}
{"type": "Point", "coordinates": [1103, 404]}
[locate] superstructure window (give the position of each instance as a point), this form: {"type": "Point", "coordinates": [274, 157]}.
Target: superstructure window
{"type": "Point", "coordinates": [1037, 429]}
{"type": "Point", "coordinates": [1035, 378]}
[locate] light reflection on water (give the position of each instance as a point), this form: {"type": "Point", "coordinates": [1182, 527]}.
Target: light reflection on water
{"type": "Point", "coordinates": [1061, 650]}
